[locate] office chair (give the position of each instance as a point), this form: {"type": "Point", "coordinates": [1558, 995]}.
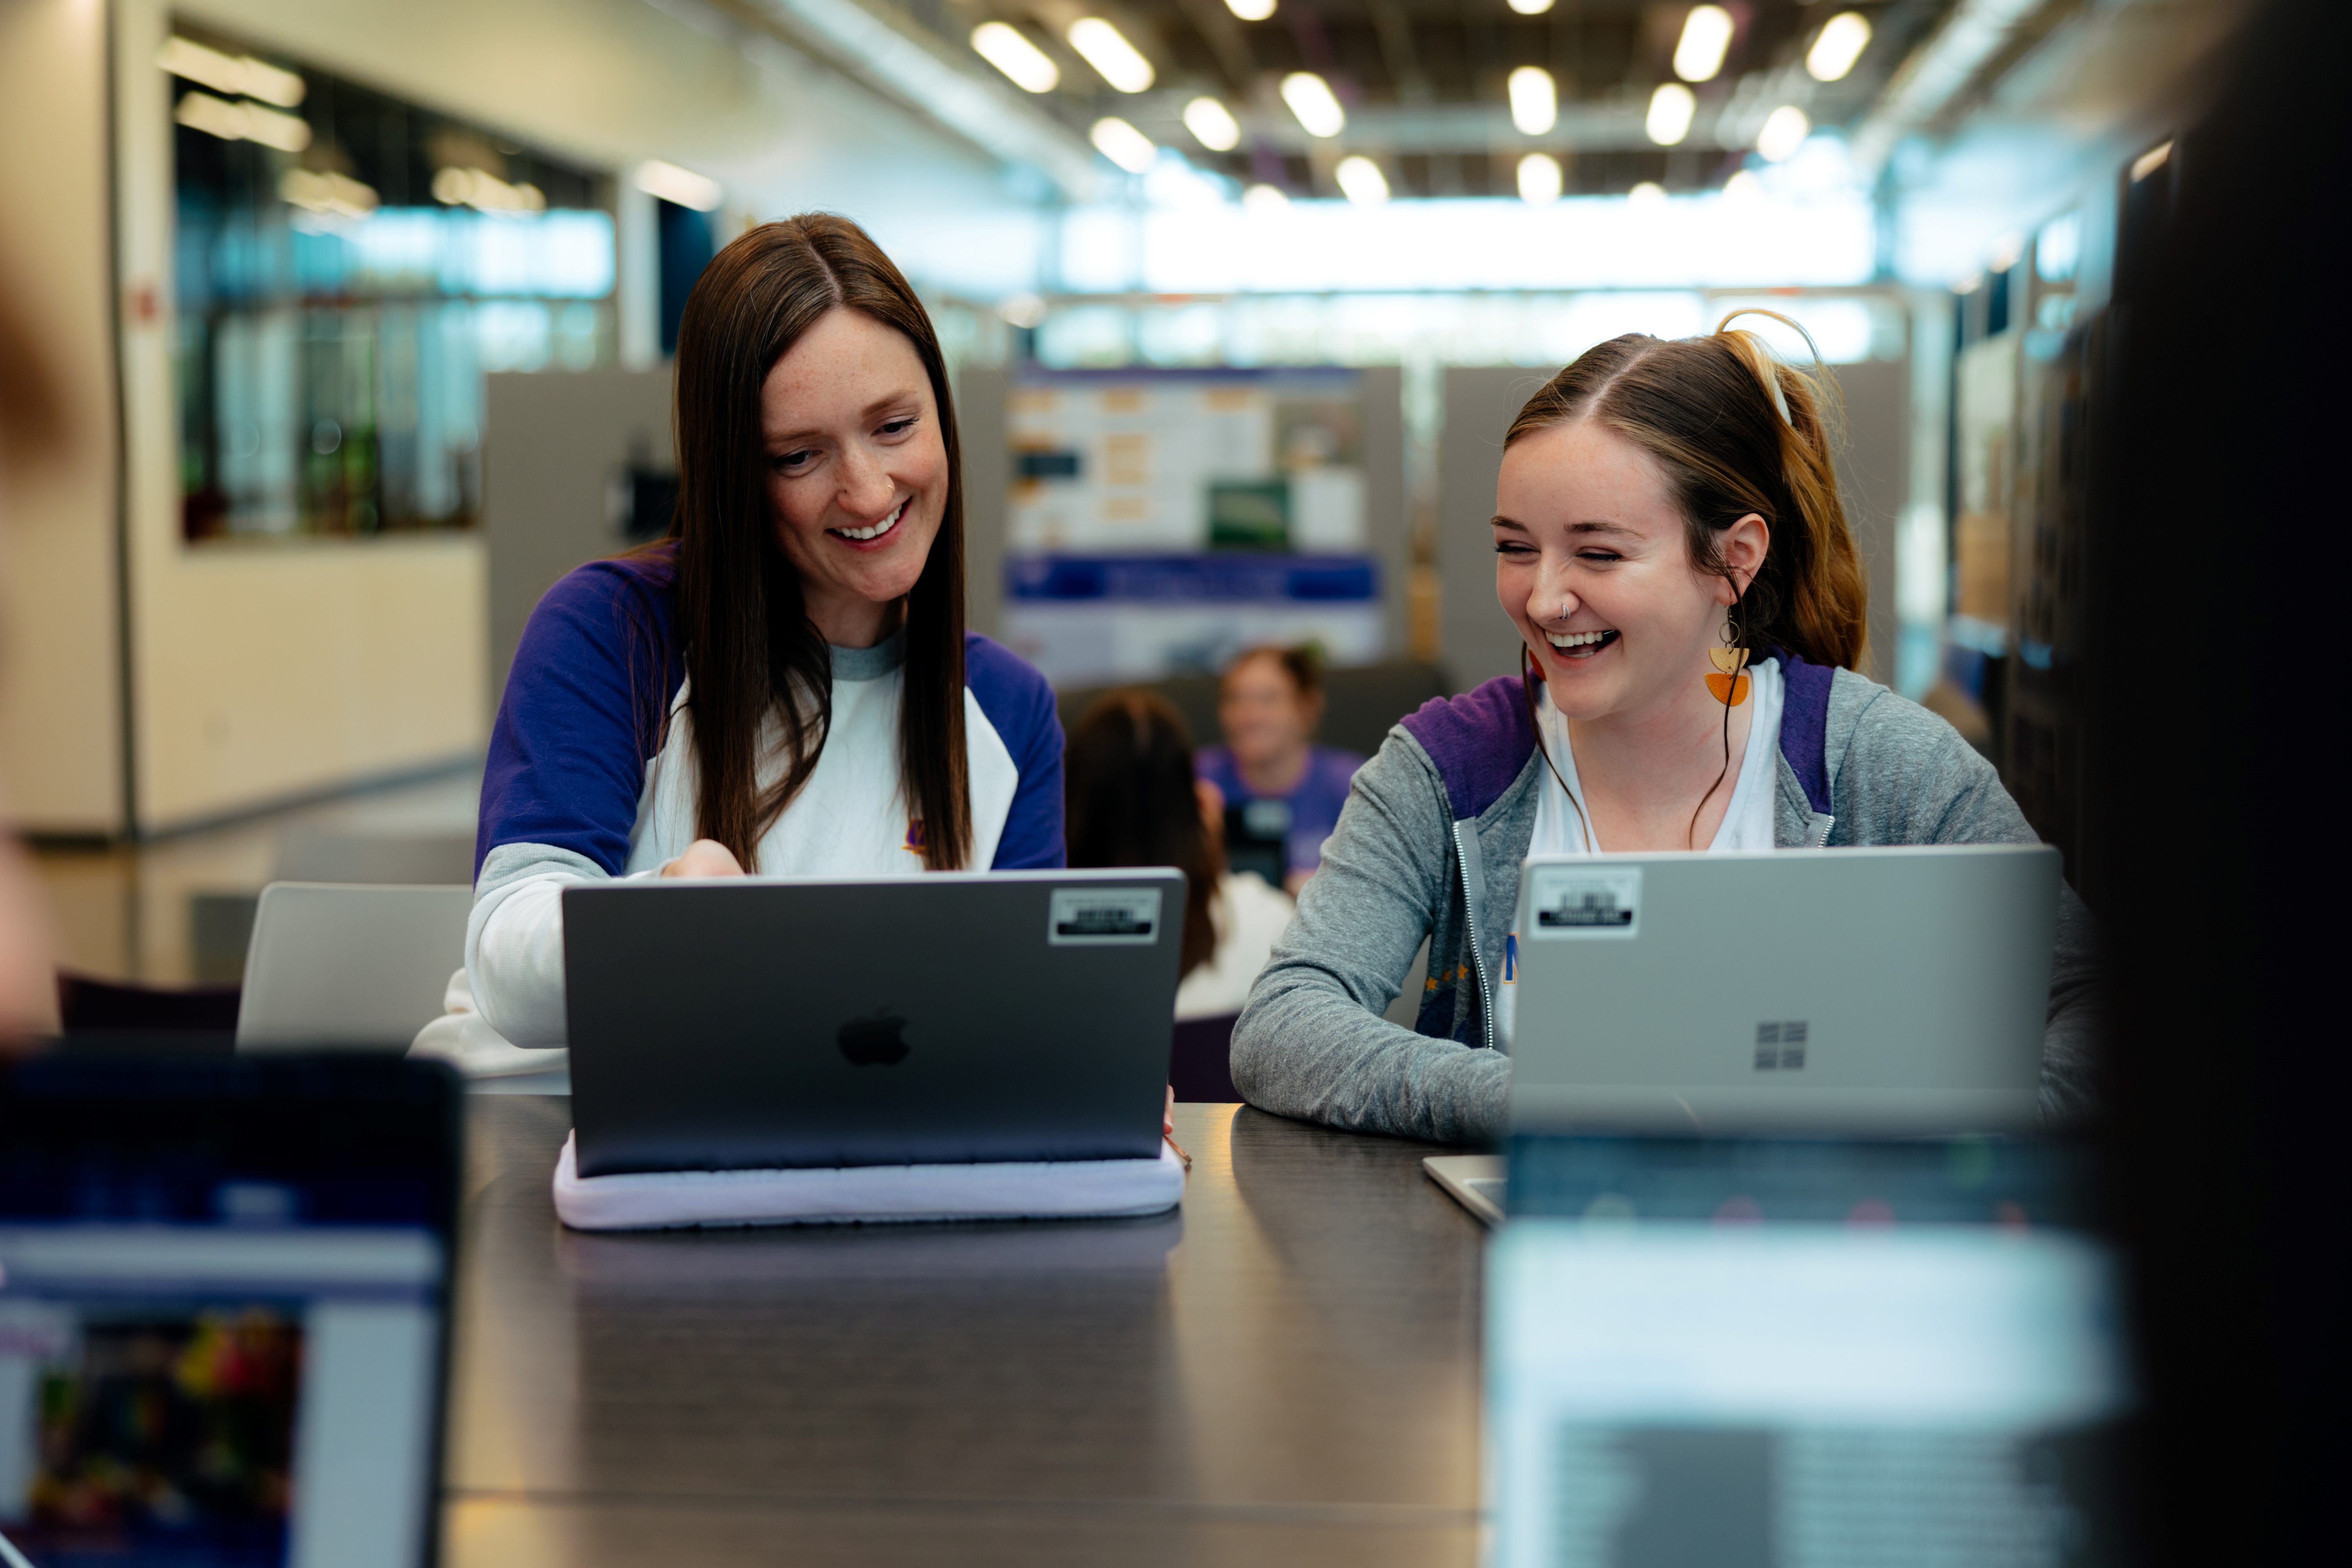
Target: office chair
{"type": "Point", "coordinates": [350, 964]}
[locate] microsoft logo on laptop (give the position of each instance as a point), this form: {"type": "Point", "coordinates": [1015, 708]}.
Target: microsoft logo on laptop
{"type": "Point", "coordinates": [1780, 1046]}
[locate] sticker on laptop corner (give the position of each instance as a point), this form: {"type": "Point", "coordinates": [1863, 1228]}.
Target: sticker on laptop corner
{"type": "Point", "coordinates": [1103, 917]}
{"type": "Point", "coordinates": [1586, 901]}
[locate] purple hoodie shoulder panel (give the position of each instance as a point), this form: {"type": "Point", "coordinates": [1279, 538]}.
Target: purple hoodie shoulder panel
{"type": "Point", "coordinates": [592, 683]}
{"type": "Point", "coordinates": [1805, 726]}
{"type": "Point", "coordinates": [1020, 703]}
{"type": "Point", "coordinates": [1480, 741]}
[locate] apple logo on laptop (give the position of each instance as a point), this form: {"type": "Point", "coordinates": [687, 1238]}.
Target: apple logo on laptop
{"type": "Point", "coordinates": [876, 1041]}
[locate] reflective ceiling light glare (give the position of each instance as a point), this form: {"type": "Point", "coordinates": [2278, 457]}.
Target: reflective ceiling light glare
{"type": "Point", "coordinates": [1671, 108]}
{"type": "Point", "coordinates": [1706, 36]}
{"type": "Point", "coordinates": [1264, 199]}
{"type": "Point", "coordinates": [239, 74]}
{"type": "Point", "coordinates": [1531, 7]}
{"type": "Point", "coordinates": [1541, 179]}
{"type": "Point", "coordinates": [1646, 194]}
{"type": "Point", "coordinates": [1010, 51]}
{"type": "Point", "coordinates": [1785, 130]}
{"type": "Point", "coordinates": [1844, 37]}
{"type": "Point", "coordinates": [241, 121]}
{"type": "Point", "coordinates": [485, 191]}
{"type": "Point", "coordinates": [1213, 125]}
{"type": "Point", "coordinates": [1251, 10]}
{"type": "Point", "coordinates": [2150, 162]}
{"type": "Point", "coordinates": [332, 195]}
{"type": "Point", "coordinates": [1310, 98]}
{"type": "Point", "coordinates": [1114, 59]}
{"type": "Point", "coordinates": [1361, 182]}
{"type": "Point", "coordinates": [1535, 101]}
{"type": "Point", "coordinates": [1743, 186]}
{"type": "Point", "coordinates": [680, 187]}
{"type": "Point", "coordinates": [1123, 145]}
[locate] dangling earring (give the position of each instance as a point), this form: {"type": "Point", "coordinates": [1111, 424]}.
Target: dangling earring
{"type": "Point", "coordinates": [1727, 680]}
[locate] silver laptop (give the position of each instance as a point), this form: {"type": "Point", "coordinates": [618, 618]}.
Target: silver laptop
{"type": "Point", "coordinates": [744, 1025]}
{"type": "Point", "coordinates": [1891, 991]}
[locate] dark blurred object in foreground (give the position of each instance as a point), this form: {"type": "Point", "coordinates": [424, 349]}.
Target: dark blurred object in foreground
{"type": "Point", "coordinates": [2218, 761]}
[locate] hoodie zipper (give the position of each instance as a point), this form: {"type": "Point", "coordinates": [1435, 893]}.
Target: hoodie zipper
{"type": "Point", "coordinates": [1470, 918]}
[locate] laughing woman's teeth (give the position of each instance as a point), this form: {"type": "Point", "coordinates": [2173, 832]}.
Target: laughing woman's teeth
{"type": "Point", "coordinates": [1577, 639]}
{"type": "Point", "coordinates": [879, 530]}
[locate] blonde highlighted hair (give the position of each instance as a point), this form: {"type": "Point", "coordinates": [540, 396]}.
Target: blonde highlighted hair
{"type": "Point", "coordinates": [1737, 431]}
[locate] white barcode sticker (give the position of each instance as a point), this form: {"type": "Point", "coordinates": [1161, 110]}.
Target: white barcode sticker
{"type": "Point", "coordinates": [1586, 901]}
{"type": "Point", "coordinates": [1103, 917]}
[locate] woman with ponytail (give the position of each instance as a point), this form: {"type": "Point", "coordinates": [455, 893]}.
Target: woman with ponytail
{"type": "Point", "coordinates": [1671, 546]}
{"type": "Point", "coordinates": [784, 685]}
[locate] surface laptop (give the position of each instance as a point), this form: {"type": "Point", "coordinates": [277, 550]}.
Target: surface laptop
{"type": "Point", "coordinates": [749, 1025]}
{"type": "Point", "coordinates": [1880, 991]}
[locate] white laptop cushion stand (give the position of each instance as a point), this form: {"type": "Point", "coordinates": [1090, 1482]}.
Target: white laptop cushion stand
{"type": "Point", "coordinates": [349, 963]}
{"type": "Point", "coordinates": [843, 1194]}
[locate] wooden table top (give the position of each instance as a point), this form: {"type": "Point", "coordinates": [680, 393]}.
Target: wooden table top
{"type": "Point", "coordinates": [1286, 1372]}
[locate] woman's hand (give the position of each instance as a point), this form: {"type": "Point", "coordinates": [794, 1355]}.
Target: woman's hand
{"type": "Point", "coordinates": [705, 857]}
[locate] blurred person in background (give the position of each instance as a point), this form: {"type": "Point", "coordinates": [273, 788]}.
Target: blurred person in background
{"type": "Point", "coordinates": [785, 686]}
{"type": "Point", "coordinates": [1269, 706]}
{"type": "Point", "coordinates": [1134, 800]}
{"type": "Point", "coordinates": [29, 425]}
{"type": "Point", "coordinates": [1672, 548]}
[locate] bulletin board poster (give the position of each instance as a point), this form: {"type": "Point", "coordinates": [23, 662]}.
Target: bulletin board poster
{"type": "Point", "coordinates": [1135, 482]}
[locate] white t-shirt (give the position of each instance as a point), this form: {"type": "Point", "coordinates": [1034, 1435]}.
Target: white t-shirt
{"type": "Point", "coordinates": [1249, 916]}
{"type": "Point", "coordinates": [1560, 829]}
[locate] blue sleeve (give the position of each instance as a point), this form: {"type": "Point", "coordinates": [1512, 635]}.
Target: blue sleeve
{"type": "Point", "coordinates": [583, 706]}
{"type": "Point", "coordinates": [1020, 703]}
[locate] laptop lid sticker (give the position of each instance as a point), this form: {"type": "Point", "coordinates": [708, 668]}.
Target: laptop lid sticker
{"type": "Point", "coordinates": [1585, 901]}
{"type": "Point", "coordinates": [1103, 917]}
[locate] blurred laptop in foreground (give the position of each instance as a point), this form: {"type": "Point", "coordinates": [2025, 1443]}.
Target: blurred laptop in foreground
{"type": "Point", "coordinates": [224, 1300]}
{"type": "Point", "coordinates": [1801, 1354]}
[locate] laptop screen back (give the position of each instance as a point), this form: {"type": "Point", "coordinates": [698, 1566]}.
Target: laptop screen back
{"type": "Point", "coordinates": [223, 1308]}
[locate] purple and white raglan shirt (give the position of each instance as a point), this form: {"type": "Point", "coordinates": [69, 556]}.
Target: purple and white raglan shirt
{"type": "Point", "coordinates": [591, 776]}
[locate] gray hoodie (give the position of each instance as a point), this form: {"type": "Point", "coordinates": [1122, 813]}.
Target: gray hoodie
{"type": "Point", "coordinates": [1430, 846]}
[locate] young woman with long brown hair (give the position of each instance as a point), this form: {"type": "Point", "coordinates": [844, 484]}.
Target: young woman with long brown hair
{"type": "Point", "coordinates": [1671, 545]}
{"type": "Point", "coordinates": [785, 686]}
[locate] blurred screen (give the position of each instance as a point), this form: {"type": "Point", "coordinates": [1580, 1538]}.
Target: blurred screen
{"type": "Point", "coordinates": [1903, 1366]}
{"type": "Point", "coordinates": [218, 1345]}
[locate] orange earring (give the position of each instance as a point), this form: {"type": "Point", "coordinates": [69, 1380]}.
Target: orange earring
{"type": "Point", "coordinates": [1727, 680]}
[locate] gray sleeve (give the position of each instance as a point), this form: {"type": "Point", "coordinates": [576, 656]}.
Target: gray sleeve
{"type": "Point", "coordinates": [1312, 1043]}
{"type": "Point", "coordinates": [1928, 786]}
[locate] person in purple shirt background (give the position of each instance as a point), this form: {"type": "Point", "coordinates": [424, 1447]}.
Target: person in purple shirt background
{"type": "Point", "coordinates": [1269, 706]}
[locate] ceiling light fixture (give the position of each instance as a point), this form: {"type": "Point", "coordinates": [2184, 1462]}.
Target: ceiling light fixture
{"type": "Point", "coordinates": [1541, 179]}
{"type": "Point", "coordinates": [1213, 125]}
{"type": "Point", "coordinates": [679, 187]}
{"type": "Point", "coordinates": [2150, 162]}
{"type": "Point", "coordinates": [1251, 11]}
{"type": "Point", "coordinates": [1743, 186]}
{"type": "Point", "coordinates": [1009, 50]}
{"type": "Point", "coordinates": [1123, 145]}
{"type": "Point", "coordinates": [1842, 39]}
{"type": "Point", "coordinates": [1707, 36]}
{"type": "Point", "coordinates": [1649, 192]}
{"type": "Point", "coordinates": [1531, 7]}
{"type": "Point", "coordinates": [328, 193]}
{"type": "Point", "coordinates": [241, 121]}
{"type": "Point", "coordinates": [1310, 98]}
{"type": "Point", "coordinates": [1535, 101]}
{"type": "Point", "coordinates": [239, 74]}
{"type": "Point", "coordinates": [1264, 199]}
{"type": "Point", "coordinates": [1785, 130]}
{"type": "Point", "coordinates": [1671, 108]}
{"type": "Point", "coordinates": [1114, 59]}
{"type": "Point", "coordinates": [1361, 182]}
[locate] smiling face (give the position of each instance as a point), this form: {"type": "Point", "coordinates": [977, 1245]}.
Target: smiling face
{"type": "Point", "coordinates": [1593, 566]}
{"type": "Point", "coordinates": [1263, 714]}
{"type": "Point", "coordinates": [856, 472]}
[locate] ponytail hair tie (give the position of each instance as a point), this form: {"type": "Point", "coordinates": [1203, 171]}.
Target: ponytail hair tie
{"type": "Point", "coordinates": [1766, 367]}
